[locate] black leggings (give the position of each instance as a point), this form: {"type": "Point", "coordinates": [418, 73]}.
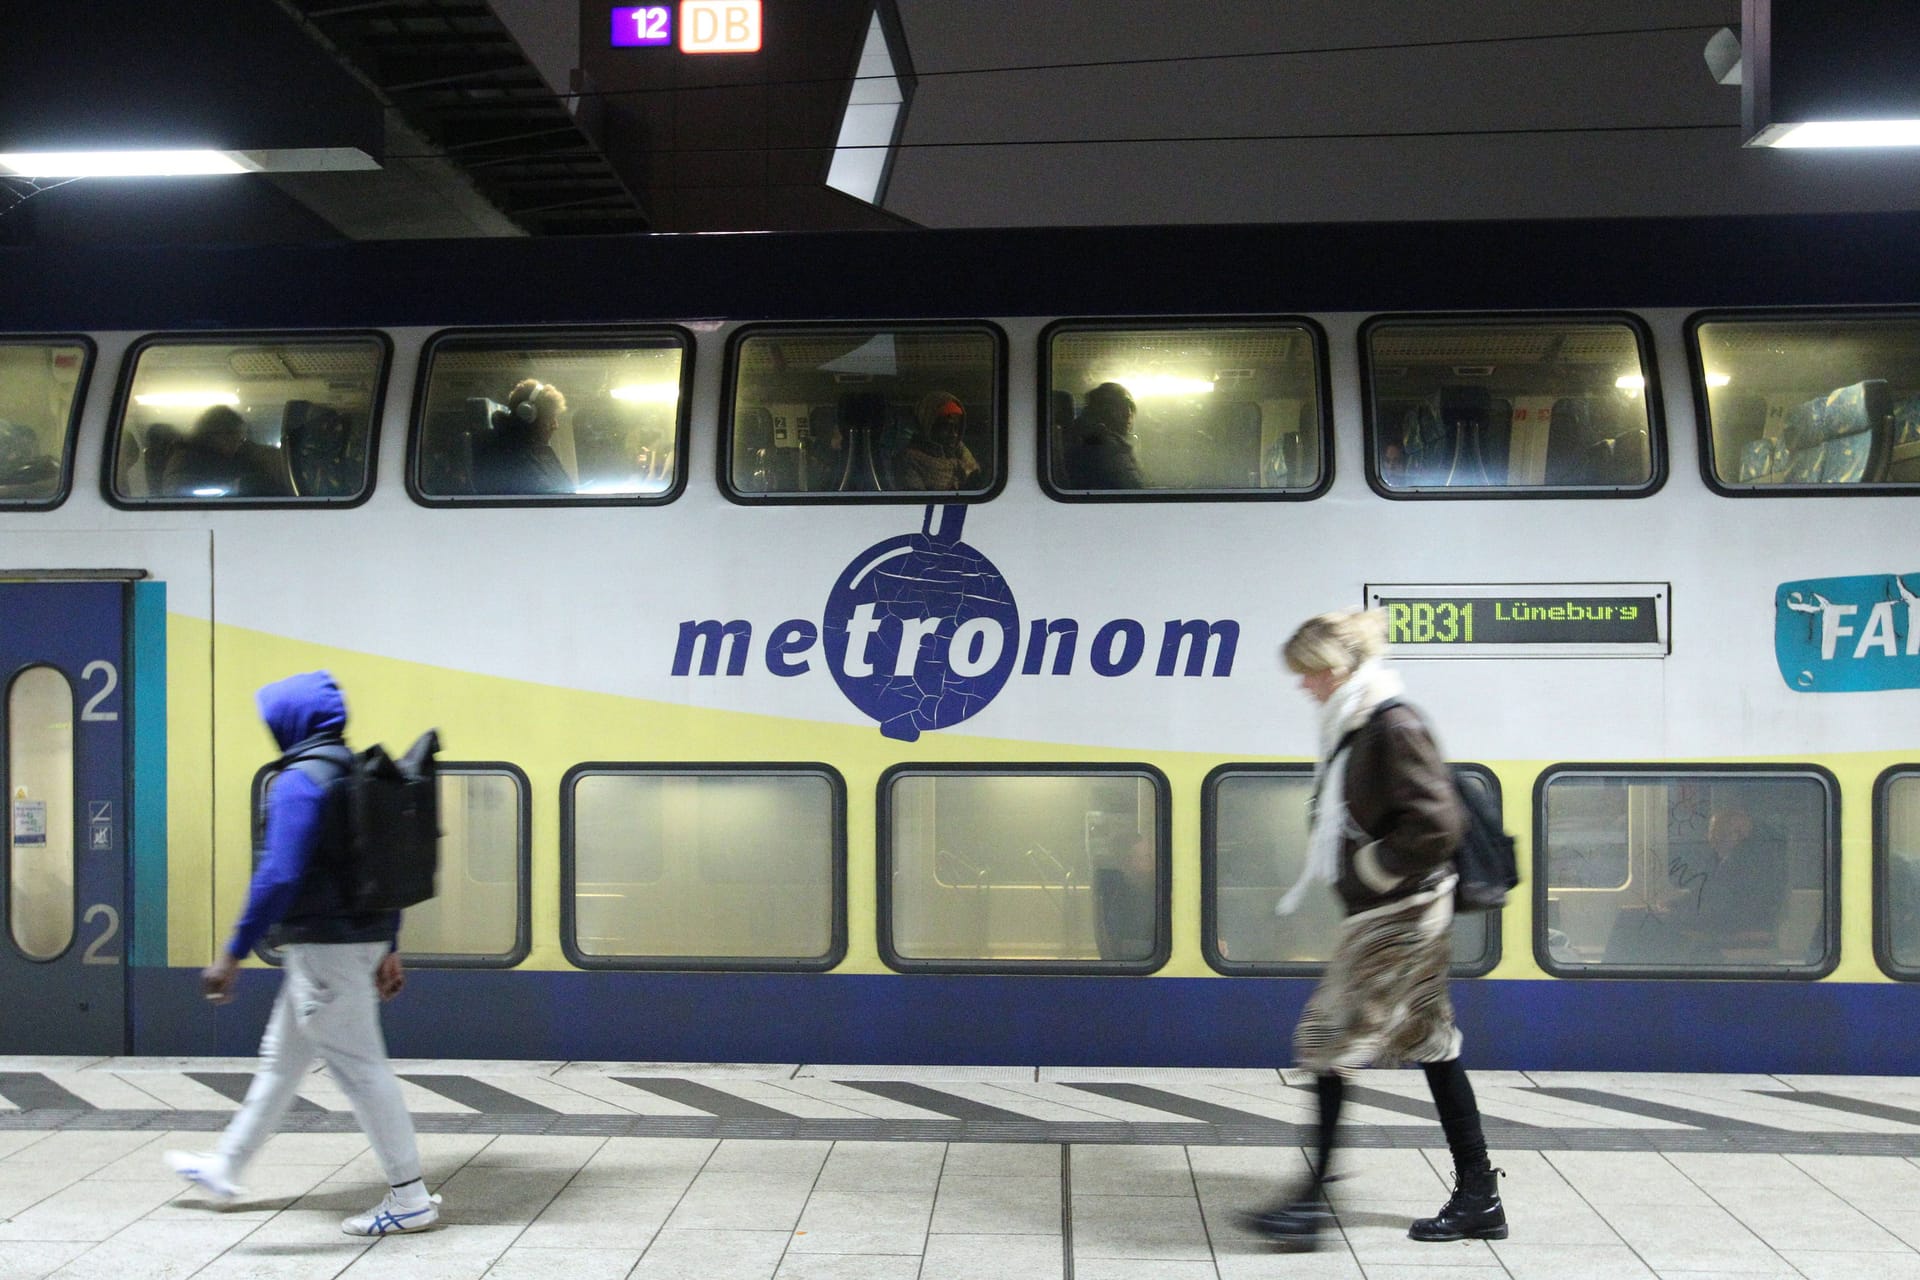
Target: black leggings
{"type": "Point", "coordinates": [1452, 1098]}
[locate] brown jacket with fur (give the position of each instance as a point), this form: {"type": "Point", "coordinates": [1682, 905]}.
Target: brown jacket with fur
{"type": "Point", "coordinates": [1400, 793]}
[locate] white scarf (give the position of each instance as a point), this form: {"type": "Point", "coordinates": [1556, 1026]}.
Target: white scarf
{"type": "Point", "coordinates": [1350, 706]}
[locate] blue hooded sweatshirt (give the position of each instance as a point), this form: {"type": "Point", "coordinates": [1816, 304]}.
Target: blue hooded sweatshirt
{"type": "Point", "coordinates": [305, 713]}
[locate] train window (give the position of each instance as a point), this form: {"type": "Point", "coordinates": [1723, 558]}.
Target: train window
{"type": "Point", "coordinates": [1663, 872]}
{"type": "Point", "coordinates": [1037, 868]}
{"type": "Point", "coordinates": [478, 915]}
{"type": "Point", "coordinates": [1809, 403]}
{"type": "Point", "coordinates": [1253, 846]}
{"type": "Point", "coordinates": [567, 417]}
{"type": "Point", "coordinates": [1187, 410]}
{"type": "Point", "coordinates": [838, 412]}
{"type": "Point", "coordinates": [248, 420]}
{"type": "Point", "coordinates": [1896, 843]}
{"type": "Point", "coordinates": [1462, 407]}
{"type": "Point", "coordinates": [40, 844]}
{"type": "Point", "coordinates": [703, 866]}
{"type": "Point", "coordinates": [40, 394]}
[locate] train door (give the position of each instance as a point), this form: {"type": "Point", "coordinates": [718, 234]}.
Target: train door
{"type": "Point", "coordinates": [63, 867]}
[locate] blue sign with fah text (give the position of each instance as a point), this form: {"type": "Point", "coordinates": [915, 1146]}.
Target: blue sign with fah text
{"type": "Point", "coordinates": [1848, 635]}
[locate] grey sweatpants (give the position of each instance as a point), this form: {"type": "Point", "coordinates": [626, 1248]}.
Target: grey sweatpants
{"type": "Point", "coordinates": [327, 1008]}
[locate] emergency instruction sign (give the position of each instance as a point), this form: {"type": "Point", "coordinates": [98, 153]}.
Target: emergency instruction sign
{"type": "Point", "coordinates": [1529, 620]}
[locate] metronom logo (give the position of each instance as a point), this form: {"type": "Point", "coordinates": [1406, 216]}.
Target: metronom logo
{"type": "Point", "coordinates": [921, 631]}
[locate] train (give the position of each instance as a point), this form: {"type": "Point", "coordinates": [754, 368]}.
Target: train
{"type": "Point", "coordinates": [862, 646]}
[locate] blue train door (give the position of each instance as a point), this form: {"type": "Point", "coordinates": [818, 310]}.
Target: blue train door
{"type": "Point", "coordinates": [63, 868]}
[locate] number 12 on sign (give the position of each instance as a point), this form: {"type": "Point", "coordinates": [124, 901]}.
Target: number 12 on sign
{"type": "Point", "coordinates": [643, 25]}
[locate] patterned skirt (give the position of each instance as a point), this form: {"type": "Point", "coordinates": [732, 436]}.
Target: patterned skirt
{"type": "Point", "coordinates": [1383, 1000]}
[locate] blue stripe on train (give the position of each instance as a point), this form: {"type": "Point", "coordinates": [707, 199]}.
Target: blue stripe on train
{"type": "Point", "coordinates": [1817, 1027]}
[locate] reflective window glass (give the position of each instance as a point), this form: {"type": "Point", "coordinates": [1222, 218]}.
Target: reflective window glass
{"type": "Point", "coordinates": [1688, 871]}
{"type": "Point", "coordinates": [1259, 830]}
{"type": "Point", "coordinates": [1898, 842]}
{"type": "Point", "coordinates": [40, 848]}
{"type": "Point", "coordinates": [580, 417]}
{"type": "Point", "coordinates": [479, 899]}
{"type": "Point", "coordinates": [279, 420]}
{"type": "Point", "coordinates": [1024, 870]}
{"type": "Point", "coordinates": [852, 411]}
{"type": "Point", "coordinates": [1812, 402]}
{"type": "Point", "coordinates": [1508, 404]}
{"type": "Point", "coordinates": [712, 866]}
{"type": "Point", "coordinates": [1193, 409]}
{"type": "Point", "coordinates": [40, 385]}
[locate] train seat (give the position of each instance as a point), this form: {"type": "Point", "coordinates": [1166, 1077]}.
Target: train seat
{"type": "Point", "coordinates": [1903, 454]}
{"type": "Point", "coordinates": [1841, 437]}
{"type": "Point", "coordinates": [1441, 437]}
{"type": "Point", "coordinates": [1235, 433]}
{"type": "Point", "coordinates": [318, 442]}
{"type": "Point", "coordinates": [1763, 461]}
{"type": "Point", "coordinates": [1581, 441]}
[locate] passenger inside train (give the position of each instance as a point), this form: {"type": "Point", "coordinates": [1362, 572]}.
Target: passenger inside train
{"type": "Point", "coordinates": [517, 457]}
{"type": "Point", "coordinates": [1100, 453]}
{"type": "Point", "coordinates": [936, 457]}
{"type": "Point", "coordinates": [217, 459]}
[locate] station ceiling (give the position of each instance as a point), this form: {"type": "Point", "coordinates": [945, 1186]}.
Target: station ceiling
{"type": "Point", "coordinates": [514, 117]}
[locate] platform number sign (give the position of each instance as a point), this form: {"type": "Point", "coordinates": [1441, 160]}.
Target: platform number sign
{"type": "Point", "coordinates": [705, 26]}
{"type": "Point", "coordinates": [640, 26]}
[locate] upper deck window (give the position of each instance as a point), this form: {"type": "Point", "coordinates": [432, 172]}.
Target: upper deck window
{"type": "Point", "coordinates": [40, 385]}
{"type": "Point", "coordinates": [844, 412]}
{"type": "Point", "coordinates": [558, 417]}
{"type": "Point", "coordinates": [1824, 404]}
{"type": "Point", "coordinates": [253, 420]}
{"type": "Point", "coordinates": [1186, 410]}
{"type": "Point", "coordinates": [1508, 406]}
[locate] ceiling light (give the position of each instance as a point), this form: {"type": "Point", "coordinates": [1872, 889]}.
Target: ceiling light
{"type": "Point", "coordinates": [648, 392]}
{"type": "Point", "coordinates": [185, 399]}
{"type": "Point", "coordinates": [1719, 379]}
{"type": "Point", "coordinates": [1840, 133]}
{"type": "Point", "coordinates": [1631, 383]}
{"type": "Point", "coordinates": [118, 164]}
{"type": "Point", "coordinates": [1162, 384]}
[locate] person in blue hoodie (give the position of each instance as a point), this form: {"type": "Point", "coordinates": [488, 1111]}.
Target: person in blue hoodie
{"type": "Point", "coordinates": [338, 965]}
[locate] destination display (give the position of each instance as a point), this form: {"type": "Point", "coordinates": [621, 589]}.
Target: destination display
{"type": "Point", "coordinates": [1542, 620]}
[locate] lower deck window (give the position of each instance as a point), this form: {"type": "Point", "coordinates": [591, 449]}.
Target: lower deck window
{"type": "Point", "coordinates": [478, 914]}
{"type": "Point", "coordinates": [1717, 871]}
{"type": "Point", "coordinates": [1253, 849]}
{"type": "Point", "coordinates": [1897, 867]}
{"type": "Point", "coordinates": [704, 867]}
{"type": "Point", "coordinates": [1046, 869]}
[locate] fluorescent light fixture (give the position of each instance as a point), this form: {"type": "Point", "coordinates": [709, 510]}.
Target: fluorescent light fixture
{"type": "Point", "coordinates": [1719, 379]}
{"type": "Point", "coordinates": [865, 144]}
{"type": "Point", "coordinates": [179, 163]}
{"type": "Point", "coordinates": [185, 399]}
{"type": "Point", "coordinates": [1840, 133]}
{"type": "Point", "coordinates": [210, 493]}
{"type": "Point", "coordinates": [648, 392]}
{"type": "Point", "coordinates": [1162, 384]}
{"type": "Point", "coordinates": [1630, 382]}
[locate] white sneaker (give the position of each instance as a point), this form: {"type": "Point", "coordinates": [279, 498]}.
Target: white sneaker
{"type": "Point", "coordinates": [209, 1173]}
{"type": "Point", "coordinates": [392, 1216]}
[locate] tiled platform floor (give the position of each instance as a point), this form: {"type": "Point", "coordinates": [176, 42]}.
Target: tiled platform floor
{"type": "Point", "coordinates": [584, 1171]}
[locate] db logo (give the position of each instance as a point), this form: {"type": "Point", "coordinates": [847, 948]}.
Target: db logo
{"type": "Point", "coordinates": [719, 26]}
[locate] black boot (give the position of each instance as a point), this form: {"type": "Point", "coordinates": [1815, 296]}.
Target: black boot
{"type": "Point", "coordinates": [1472, 1212]}
{"type": "Point", "coordinates": [1293, 1222]}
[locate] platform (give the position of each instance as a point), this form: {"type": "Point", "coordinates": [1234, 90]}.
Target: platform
{"type": "Point", "coordinates": [784, 1171]}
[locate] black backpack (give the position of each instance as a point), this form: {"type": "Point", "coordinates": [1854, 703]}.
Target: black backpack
{"type": "Point", "coordinates": [1486, 860]}
{"type": "Point", "coordinates": [389, 852]}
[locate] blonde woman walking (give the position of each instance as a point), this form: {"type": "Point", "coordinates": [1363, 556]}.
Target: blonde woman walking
{"type": "Point", "coordinates": [1386, 822]}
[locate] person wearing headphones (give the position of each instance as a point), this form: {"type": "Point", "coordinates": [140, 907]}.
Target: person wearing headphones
{"type": "Point", "coordinates": [516, 458]}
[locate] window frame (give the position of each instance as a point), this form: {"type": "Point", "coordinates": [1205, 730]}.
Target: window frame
{"type": "Point", "coordinates": [729, 401]}
{"type": "Point", "coordinates": [123, 395]}
{"type": "Point", "coordinates": [1703, 420]}
{"type": "Point", "coordinates": [70, 447]}
{"type": "Point", "coordinates": [601, 336]}
{"type": "Point", "coordinates": [1043, 373]}
{"type": "Point", "coordinates": [1883, 872]}
{"type": "Point", "coordinates": [1830, 887]}
{"type": "Point", "coordinates": [1163, 868]}
{"type": "Point", "coordinates": [1649, 394]}
{"type": "Point", "coordinates": [522, 870]}
{"type": "Point", "coordinates": [837, 888]}
{"type": "Point", "coordinates": [1490, 957]}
